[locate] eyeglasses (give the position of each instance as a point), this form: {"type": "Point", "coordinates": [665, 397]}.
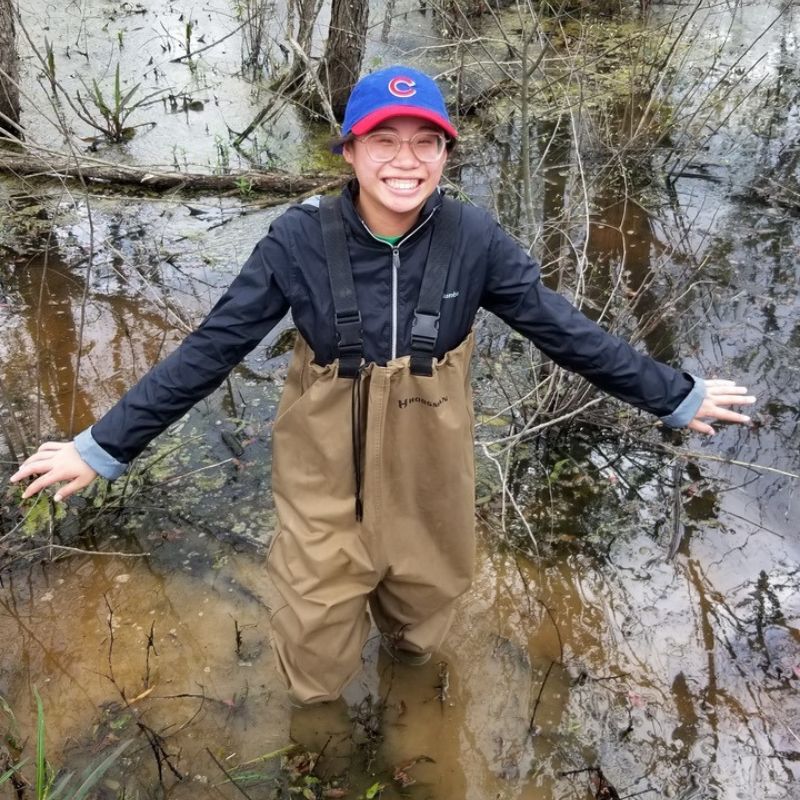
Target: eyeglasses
{"type": "Point", "coordinates": [383, 146]}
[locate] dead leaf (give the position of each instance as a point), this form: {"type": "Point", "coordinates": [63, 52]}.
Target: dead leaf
{"type": "Point", "coordinates": [400, 774]}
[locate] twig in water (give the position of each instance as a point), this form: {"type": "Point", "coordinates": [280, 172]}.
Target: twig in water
{"type": "Point", "coordinates": [319, 756]}
{"type": "Point", "coordinates": [151, 645]}
{"type": "Point", "coordinates": [677, 524]}
{"type": "Point", "coordinates": [694, 454]}
{"type": "Point", "coordinates": [194, 53]}
{"type": "Point", "coordinates": [524, 583]}
{"type": "Point", "coordinates": [661, 447]}
{"type": "Point", "coordinates": [110, 640]}
{"type": "Point", "coordinates": [269, 756]}
{"type": "Point", "coordinates": [238, 631]}
{"type": "Point", "coordinates": [539, 698]}
{"type": "Point", "coordinates": [97, 552]}
{"type": "Point", "coordinates": [507, 493]}
{"type": "Point", "coordinates": [733, 462]}
{"type": "Point", "coordinates": [228, 774]}
{"type": "Point", "coordinates": [195, 471]}
{"type": "Point", "coordinates": [229, 387]}
{"type": "Point", "coordinates": [141, 696]}
{"type": "Point", "coordinates": [603, 678]}
{"type": "Point", "coordinates": [160, 753]}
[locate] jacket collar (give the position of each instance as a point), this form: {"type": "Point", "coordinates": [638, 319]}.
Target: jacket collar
{"type": "Point", "coordinates": [352, 218]}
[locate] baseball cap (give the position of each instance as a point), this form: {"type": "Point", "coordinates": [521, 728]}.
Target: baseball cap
{"type": "Point", "coordinates": [393, 92]}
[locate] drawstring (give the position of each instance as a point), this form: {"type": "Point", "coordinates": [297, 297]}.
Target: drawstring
{"type": "Point", "coordinates": [355, 420]}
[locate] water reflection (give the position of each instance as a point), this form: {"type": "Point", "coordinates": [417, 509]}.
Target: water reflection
{"type": "Point", "coordinates": [623, 243]}
{"type": "Point", "coordinates": [162, 630]}
{"type": "Point", "coordinates": [167, 623]}
{"type": "Point", "coordinates": [555, 143]}
{"type": "Point", "coordinates": [117, 340]}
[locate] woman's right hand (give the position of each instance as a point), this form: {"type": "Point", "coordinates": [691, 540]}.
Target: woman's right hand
{"type": "Point", "coordinates": [55, 462]}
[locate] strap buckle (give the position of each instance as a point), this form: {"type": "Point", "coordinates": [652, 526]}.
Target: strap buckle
{"type": "Point", "coordinates": [424, 332]}
{"type": "Point", "coordinates": [348, 332]}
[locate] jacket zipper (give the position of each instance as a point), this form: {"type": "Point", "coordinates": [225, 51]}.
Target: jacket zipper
{"type": "Point", "coordinates": [395, 281]}
{"type": "Point", "coordinates": [396, 270]}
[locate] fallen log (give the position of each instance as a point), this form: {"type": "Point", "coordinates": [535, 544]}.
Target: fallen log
{"type": "Point", "coordinates": [59, 165]}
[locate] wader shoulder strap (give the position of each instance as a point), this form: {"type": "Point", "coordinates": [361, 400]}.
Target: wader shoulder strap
{"type": "Point", "coordinates": [340, 273]}
{"type": "Point", "coordinates": [425, 329]}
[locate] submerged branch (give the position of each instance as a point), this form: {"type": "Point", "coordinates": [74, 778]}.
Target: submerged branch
{"type": "Point", "coordinates": [531, 729]}
{"type": "Point", "coordinates": [227, 774]}
{"type": "Point", "coordinates": [59, 165]}
{"type": "Point", "coordinates": [692, 454]}
{"type": "Point", "coordinates": [677, 509]}
{"type": "Point", "coordinates": [696, 455]}
{"type": "Point", "coordinates": [82, 551]}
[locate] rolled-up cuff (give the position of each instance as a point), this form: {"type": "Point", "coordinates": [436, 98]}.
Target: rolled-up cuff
{"type": "Point", "coordinates": [689, 406]}
{"type": "Point", "coordinates": [98, 459]}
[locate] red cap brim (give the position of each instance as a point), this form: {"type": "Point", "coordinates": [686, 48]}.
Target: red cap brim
{"type": "Point", "coordinates": [366, 124]}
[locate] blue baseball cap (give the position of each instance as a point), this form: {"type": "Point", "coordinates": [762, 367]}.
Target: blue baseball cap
{"type": "Point", "coordinates": [394, 92]}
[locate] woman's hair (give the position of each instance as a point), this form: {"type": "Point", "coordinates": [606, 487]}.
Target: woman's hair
{"type": "Point", "coordinates": [337, 144]}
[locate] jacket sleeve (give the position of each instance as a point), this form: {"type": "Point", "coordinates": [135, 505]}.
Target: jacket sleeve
{"type": "Point", "coordinates": [252, 305]}
{"type": "Point", "coordinates": [514, 291]}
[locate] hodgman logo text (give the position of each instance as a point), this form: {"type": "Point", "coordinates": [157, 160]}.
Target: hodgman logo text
{"type": "Point", "coordinates": [422, 401]}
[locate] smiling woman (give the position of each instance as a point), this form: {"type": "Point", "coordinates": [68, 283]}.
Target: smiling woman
{"type": "Point", "coordinates": [393, 189]}
{"type": "Point", "coordinates": [373, 474]}
{"type": "Point", "coordinates": [396, 129]}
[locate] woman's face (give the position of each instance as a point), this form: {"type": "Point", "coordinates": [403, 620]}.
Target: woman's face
{"type": "Point", "coordinates": [391, 194]}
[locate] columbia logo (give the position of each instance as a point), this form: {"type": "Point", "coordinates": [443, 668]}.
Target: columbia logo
{"type": "Point", "coordinates": [450, 296]}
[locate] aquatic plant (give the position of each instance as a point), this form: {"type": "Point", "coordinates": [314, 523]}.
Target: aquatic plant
{"type": "Point", "coordinates": [223, 166]}
{"type": "Point", "coordinates": [50, 66]}
{"type": "Point", "coordinates": [245, 186]}
{"type": "Point", "coordinates": [109, 117]}
{"type": "Point", "coordinates": [47, 783]}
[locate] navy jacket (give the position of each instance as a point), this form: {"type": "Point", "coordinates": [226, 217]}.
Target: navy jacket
{"type": "Point", "coordinates": [287, 271]}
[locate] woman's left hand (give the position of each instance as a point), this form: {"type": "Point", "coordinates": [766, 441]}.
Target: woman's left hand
{"type": "Point", "coordinates": [720, 393]}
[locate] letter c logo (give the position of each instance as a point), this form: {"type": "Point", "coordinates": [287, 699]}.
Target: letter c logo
{"type": "Point", "coordinates": [402, 87]}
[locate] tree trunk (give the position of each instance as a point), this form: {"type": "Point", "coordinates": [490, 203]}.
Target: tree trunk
{"type": "Point", "coordinates": [9, 71]}
{"type": "Point", "coordinates": [307, 12]}
{"type": "Point", "coordinates": [304, 14]}
{"type": "Point", "coordinates": [344, 51]}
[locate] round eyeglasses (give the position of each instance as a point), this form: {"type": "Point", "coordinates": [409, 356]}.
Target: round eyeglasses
{"type": "Point", "coordinates": [383, 146]}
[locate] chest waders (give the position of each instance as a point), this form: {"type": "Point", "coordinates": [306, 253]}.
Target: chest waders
{"type": "Point", "coordinates": [393, 531]}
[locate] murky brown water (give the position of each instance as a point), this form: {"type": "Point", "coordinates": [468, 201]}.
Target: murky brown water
{"type": "Point", "coordinates": [678, 677]}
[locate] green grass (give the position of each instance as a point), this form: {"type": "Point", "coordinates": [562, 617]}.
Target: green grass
{"type": "Point", "coordinates": [47, 784]}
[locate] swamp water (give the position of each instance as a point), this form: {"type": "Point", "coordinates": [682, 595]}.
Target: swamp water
{"type": "Point", "coordinates": [678, 677]}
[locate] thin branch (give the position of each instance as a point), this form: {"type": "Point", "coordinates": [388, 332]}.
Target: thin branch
{"type": "Point", "coordinates": [228, 775]}
{"type": "Point", "coordinates": [539, 698]}
{"type": "Point", "coordinates": [117, 554]}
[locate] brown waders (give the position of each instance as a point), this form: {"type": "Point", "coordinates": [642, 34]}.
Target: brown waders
{"type": "Point", "coordinates": [411, 552]}
{"type": "Point", "coordinates": [410, 556]}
